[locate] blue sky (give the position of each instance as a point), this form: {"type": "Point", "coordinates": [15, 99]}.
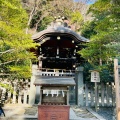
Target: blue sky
{"type": "Point", "coordinates": [91, 1]}
{"type": "Point", "coordinates": [88, 1]}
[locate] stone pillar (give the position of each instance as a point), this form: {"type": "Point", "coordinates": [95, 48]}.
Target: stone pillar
{"type": "Point", "coordinates": [40, 64]}
{"type": "Point", "coordinates": [37, 97]}
{"type": "Point", "coordinates": [14, 92]}
{"type": "Point", "coordinates": [25, 97]}
{"type": "Point", "coordinates": [19, 99]}
{"type": "Point", "coordinates": [40, 98]}
{"type": "Point", "coordinates": [32, 92]}
{"type": "Point", "coordinates": [67, 95]}
{"type": "Point", "coordinates": [14, 97]}
{"type": "Point", "coordinates": [79, 86]}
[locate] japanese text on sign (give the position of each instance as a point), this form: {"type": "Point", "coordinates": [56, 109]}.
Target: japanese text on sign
{"type": "Point", "coordinates": [95, 77]}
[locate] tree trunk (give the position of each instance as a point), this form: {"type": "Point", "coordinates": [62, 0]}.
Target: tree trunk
{"type": "Point", "coordinates": [31, 16]}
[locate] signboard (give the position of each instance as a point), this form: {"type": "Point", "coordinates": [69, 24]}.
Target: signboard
{"type": "Point", "coordinates": [95, 77]}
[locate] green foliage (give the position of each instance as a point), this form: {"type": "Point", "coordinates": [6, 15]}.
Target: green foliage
{"type": "Point", "coordinates": [12, 13]}
{"type": "Point", "coordinates": [35, 19]}
{"type": "Point", "coordinates": [44, 23]}
{"type": "Point", "coordinates": [14, 43]}
{"type": "Point", "coordinates": [86, 73]}
{"type": "Point", "coordinates": [96, 50]}
{"type": "Point", "coordinates": [88, 29]}
{"type": "Point", "coordinates": [106, 72]}
{"type": "Point", "coordinates": [76, 17]}
{"type": "Point", "coordinates": [47, 10]}
{"type": "Point", "coordinates": [105, 40]}
{"type": "Point", "coordinates": [107, 31]}
{"type": "Point", "coordinates": [8, 87]}
{"type": "Point", "coordinates": [21, 70]}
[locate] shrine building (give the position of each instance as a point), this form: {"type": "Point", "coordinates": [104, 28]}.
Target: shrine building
{"type": "Point", "coordinates": [58, 60]}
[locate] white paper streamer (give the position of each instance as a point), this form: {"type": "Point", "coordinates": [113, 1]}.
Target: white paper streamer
{"type": "Point", "coordinates": [47, 93]}
{"type": "Point", "coordinates": [63, 93]}
{"type": "Point", "coordinates": [52, 93]}
{"type": "Point", "coordinates": [57, 93]}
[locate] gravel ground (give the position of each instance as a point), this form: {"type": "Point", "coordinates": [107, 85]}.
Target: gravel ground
{"type": "Point", "coordinates": [106, 112]}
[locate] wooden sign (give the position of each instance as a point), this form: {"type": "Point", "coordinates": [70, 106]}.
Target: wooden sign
{"type": "Point", "coordinates": [95, 77]}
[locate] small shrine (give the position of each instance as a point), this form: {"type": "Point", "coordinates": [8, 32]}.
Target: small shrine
{"type": "Point", "coordinates": [54, 97]}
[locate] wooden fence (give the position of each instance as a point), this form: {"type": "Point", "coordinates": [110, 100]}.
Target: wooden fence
{"type": "Point", "coordinates": [20, 94]}
{"type": "Point", "coordinates": [21, 88]}
{"type": "Point", "coordinates": [106, 94]}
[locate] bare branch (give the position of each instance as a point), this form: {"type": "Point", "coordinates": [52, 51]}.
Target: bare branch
{"type": "Point", "coordinates": [1, 74]}
{"type": "Point", "coordinates": [7, 51]}
{"type": "Point", "coordinates": [44, 15]}
{"type": "Point", "coordinates": [7, 62]}
{"type": "Point", "coordinates": [31, 15]}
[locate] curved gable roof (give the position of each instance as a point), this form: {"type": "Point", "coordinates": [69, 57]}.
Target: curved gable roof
{"type": "Point", "coordinates": [59, 30]}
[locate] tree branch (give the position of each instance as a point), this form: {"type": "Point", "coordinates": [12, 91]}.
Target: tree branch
{"type": "Point", "coordinates": [31, 15]}
{"type": "Point", "coordinates": [36, 26]}
{"type": "Point", "coordinates": [7, 51]}
{"type": "Point", "coordinates": [7, 62]}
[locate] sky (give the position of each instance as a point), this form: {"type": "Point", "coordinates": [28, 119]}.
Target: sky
{"type": "Point", "coordinates": [87, 1]}
{"type": "Point", "coordinates": [91, 2]}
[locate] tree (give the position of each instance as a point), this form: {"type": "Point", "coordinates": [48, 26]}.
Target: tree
{"type": "Point", "coordinates": [15, 45]}
{"type": "Point", "coordinates": [77, 19]}
{"type": "Point", "coordinates": [105, 43]}
{"type": "Point", "coordinates": [44, 11]}
{"type": "Point", "coordinates": [101, 46]}
{"type": "Point", "coordinates": [88, 29]}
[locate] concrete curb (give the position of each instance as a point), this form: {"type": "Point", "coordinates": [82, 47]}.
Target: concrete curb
{"type": "Point", "coordinates": [95, 114]}
{"type": "Point", "coordinates": [74, 117]}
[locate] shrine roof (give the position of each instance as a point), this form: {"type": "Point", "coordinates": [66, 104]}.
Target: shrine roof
{"type": "Point", "coordinates": [59, 30]}
{"type": "Point", "coordinates": [54, 81]}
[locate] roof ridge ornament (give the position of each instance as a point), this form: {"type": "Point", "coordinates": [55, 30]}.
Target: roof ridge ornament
{"type": "Point", "coordinates": [60, 21]}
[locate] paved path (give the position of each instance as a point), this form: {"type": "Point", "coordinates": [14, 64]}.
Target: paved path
{"type": "Point", "coordinates": [84, 114]}
{"type": "Point", "coordinates": [26, 112]}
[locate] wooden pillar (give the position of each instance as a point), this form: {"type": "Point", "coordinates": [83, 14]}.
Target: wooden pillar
{"type": "Point", "coordinates": [117, 85]}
